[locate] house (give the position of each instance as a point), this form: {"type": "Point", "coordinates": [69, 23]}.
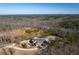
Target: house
{"type": "Point", "coordinates": [41, 43]}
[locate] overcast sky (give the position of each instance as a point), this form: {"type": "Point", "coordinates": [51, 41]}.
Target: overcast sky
{"type": "Point", "coordinates": [39, 8]}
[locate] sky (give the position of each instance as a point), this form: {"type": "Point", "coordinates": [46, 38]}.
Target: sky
{"type": "Point", "coordinates": [39, 8]}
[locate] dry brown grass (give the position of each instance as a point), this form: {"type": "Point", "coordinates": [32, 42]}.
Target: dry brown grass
{"type": "Point", "coordinates": [32, 32]}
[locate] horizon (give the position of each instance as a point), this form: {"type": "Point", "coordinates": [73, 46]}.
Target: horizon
{"type": "Point", "coordinates": [34, 14]}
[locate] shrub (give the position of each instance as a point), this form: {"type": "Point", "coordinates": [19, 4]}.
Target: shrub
{"type": "Point", "coordinates": [72, 37]}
